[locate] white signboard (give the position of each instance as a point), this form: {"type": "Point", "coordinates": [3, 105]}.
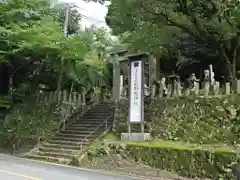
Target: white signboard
{"type": "Point", "coordinates": [136, 92]}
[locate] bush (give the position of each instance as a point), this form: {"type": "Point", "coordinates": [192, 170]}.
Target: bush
{"type": "Point", "coordinates": [26, 123]}
{"type": "Point", "coordinates": [196, 120]}
{"type": "Point", "coordinates": [187, 159]}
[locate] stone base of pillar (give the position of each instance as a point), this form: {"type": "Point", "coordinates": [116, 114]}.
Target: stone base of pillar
{"type": "Point", "coordinates": [135, 136]}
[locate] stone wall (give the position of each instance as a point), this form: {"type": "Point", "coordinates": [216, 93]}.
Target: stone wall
{"type": "Point", "coordinates": [190, 119]}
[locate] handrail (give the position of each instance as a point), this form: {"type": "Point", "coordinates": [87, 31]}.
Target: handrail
{"type": "Point", "coordinates": [80, 110]}
{"type": "Point", "coordinates": [106, 127]}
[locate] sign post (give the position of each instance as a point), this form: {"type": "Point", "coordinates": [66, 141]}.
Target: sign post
{"type": "Point", "coordinates": [136, 90]}
{"type": "Point", "coordinates": [136, 97]}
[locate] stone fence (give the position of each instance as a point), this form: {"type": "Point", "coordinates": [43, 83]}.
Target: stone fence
{"type": "Point", "coordinates": [204, 89]}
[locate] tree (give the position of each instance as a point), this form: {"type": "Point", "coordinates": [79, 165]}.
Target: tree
{"type": "Point", "coordinates": [170, 24]}
{"type": "Point", "coordinates": [34, 49]}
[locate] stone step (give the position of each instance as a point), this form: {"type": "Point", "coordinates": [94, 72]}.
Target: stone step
{"type": "Point", "coordinates": [58, 150]}
{"type": "Point", "coordinates": [83, 125]}
{"type": "Point", "coordinates": [100, 110]}
{"type": "Point", "coordinates": [65, 142]}
{"type": "Point", "coordinates": [84, 129]}
{"type": "Point", "coordinates": [93, 123]}
{"type": "Point", "coordinates": [73, 131]}
{"type": "Point", "coordinates": [61, 146]}
{"type": "Point", "coordinates": [73, 139]}
{"type": "Point", "coordinates": [79, 136]}
{"type": "Point", "coordinates": [55, 154]}
{"type": "Point", "coordinates": [93, 117]}
{"type": "Point", "coordinates": [93, 120]}
{"type": "Point", "coordinates": [48, 158]}
{"type": "Point", "coordinates": [86, 125]}
{"type": "Point", "coordinates": [103, 108]}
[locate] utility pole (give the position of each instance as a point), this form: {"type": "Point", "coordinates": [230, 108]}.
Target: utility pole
{"type": "Point", "coordinates": [65, 31]}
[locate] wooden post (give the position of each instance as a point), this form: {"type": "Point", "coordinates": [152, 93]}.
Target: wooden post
{"type": "Point", "coordinates": [75, 98]}
{"type": "Point", "coordinates": [70, 104]}
{"type": "Point", "coordinates": [153, 75]}
{"type": "Point", "coordinates": [129, 96]}
{"type": "Point", "coordinates": [64, 95]}
{"type": "Point", "coordinates": [59, 98]}
{"type": "Point", "coordinates": [79, 100]}
{"type": "Point", "coordinates": [83, 96]}
{"type": "Point", "coordinates": [121, 88]}
{"type": "Point", "coordinates": [116, 78]}
{"type": "Point", "coordinates": [142, 98]}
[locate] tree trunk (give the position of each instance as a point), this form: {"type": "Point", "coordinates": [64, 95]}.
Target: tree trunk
{"type": "Point", "coordinates": [229, 69]}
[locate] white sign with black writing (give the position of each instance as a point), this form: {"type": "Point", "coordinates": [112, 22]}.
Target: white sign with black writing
{"type": "Point", "coordinates": [136, 92]}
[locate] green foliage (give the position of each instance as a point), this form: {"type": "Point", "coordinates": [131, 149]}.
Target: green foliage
{"type": "Point", "coordinates": [4, 102]}
{"type": "Point", "coordinates": [188, 159]}
{"type": "Point", "coordinates": [197, 30]}
{"type": "Point", "coordinates": [96, 152]}
{"type": "Point", "coordinates": [36, 50]}
{"type": "Point", "coordinates": [195, 120]}
{"type": "Point", "coordinates": [26, 123]}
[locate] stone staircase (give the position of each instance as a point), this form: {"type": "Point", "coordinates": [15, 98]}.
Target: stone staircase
{"type": "Point", "coordinates": [76, 136]}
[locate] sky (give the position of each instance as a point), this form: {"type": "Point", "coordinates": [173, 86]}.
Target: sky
{"type": "Point", "coordinates": [93, 13]}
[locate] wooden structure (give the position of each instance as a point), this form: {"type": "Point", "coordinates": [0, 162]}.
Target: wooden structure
{"type": "Point", "coordinates": [120, 70]}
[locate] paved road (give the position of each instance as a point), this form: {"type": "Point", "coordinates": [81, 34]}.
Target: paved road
{"type": "Point", "coordinates": [12, 168]}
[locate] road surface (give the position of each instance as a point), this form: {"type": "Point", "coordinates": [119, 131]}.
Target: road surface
{"type": "Point", "coordinates": [13, 168]}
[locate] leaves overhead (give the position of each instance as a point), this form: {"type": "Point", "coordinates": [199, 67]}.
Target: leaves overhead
{"type": "Point", "coordinates": [35, 48]}
{"type": "Point", "coordinates": [189, 27]}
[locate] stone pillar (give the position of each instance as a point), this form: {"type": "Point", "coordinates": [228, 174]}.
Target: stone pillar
{"type": "Point", "coordinates": [179, 89]}
{"type": "Point", "coordinates": [216, 88]}
{"type": "Point", "coordinates": [238, 87]}
{"type": "Point", "coordinates": [206, 88]}
{"type": "Point", "coordinates": [187, 92]}
{"type": "Point", "coordinates": [227, 88]}
{"type": "Point", "coordinates": [121, 86]}
{"type": "Point", "coordinates": [175, 93]}
{"type": "Point", "coordinates": [116, 79]}
{"type": "Point", "coordinates": [152, 74]}
{"type": "Point", "coordinates": [170, 90]}
{"type": "Point", "coordinates": [196, 85]}
{"type": "Point", "coordinates": [153, 91]}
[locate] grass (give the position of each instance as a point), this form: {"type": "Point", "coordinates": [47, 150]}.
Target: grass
{"type": "Point", "coordinates": [111, 138]}
{"type": "Point", "coordinates": [184, 146]}
{"type": "Point", "coordinates": [105, 140]}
